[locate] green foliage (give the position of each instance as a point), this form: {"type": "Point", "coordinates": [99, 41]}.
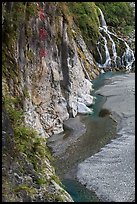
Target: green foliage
{"type": "Point", "coordinates": [41, 181]}
{"type": "Point", "coordinates": [28, 32]}
{"type": "Point", "coordinates": [26, 138]}
{"type": "Point", "coordinates": [58, 198]}
{"type": "Point", "coordinates": [85, 15]}
{"type": "Point", "coordinates": [29, 143]}
{"type": "Point", "coordinates": [118, 15]}
{"type": "Point", "coordinates": [30, 55]}
{"type": "Point", "coordinates": [26, 93]}
{"type": "Point", "coordinates": [15, 115]}
{"type": "Point", "coordinates": [29, 189]}
{"type": "Point", "coordinates": [12, 19]}
{"type": "Point", "coordinates": [25, 133]}
{"type": "Point", "coordinates": [31, 10]}
{"type": "Point", "coordinates": [56, 179]}
{"type": "Point", "coordinates": [19, 14]}
{"type": "Point", "coordinates": [4, 63]}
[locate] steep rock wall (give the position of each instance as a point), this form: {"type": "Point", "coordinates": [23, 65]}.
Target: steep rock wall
{"type": "Point", "coordinates": [57, 82]}
{"type": "Point", "coordinates": [45, 81]}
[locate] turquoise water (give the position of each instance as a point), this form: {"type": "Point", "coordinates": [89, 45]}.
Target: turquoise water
{"type": "Point", "coordinates": [97, 83]}
{"type": "Point", "coordinates": [78, 192]}
{"type": "Point", "coordinates": [99, 132]}
{"type": "Point", "coordinates": [101, 79]}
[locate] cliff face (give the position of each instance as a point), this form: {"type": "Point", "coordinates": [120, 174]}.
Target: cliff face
{"type": "Point", "coordinates": [46, 79]}
{"type": "Point", "coordinates": [57, 82]}
{"type": "Point", "coordinates": [47, 74]}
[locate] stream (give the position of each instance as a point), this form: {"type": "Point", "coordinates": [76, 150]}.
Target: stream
{"type": "Point", "coordinates": [84, 136]}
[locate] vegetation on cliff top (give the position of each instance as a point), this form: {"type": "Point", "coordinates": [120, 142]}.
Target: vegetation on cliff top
{"type": "Point", "coordinates": [119, 15]}
{"type": "Point", "coordinates": [85, 15]}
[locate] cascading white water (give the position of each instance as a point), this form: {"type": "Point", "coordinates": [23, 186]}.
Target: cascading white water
{"type": "Point", "coordinates": [113, 48]}
{"type": "Point", "coordinates": [99, 52]}
{"type": "Point", "coordinates": [104, 28]}
{"type": "Point", "coordinates": [127, 58]}
{"type": "Point", "coordinates": [108, 59]}
{"type": "Point", "coordinates": [102, 19]}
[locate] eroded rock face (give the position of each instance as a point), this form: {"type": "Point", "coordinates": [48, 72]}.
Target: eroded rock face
{"type": "Point", "coordinates": [58, 82]}
{"type": "Point", "coordinates": [51, 88]}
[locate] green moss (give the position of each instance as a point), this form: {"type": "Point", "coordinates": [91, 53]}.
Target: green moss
{"type": "Point", "coordinates": [13, 19]}
{"type": "Point", "coordinates": [29, 32]}
{"type": "Point", "coordinates": [63, 7]}
{"type": "Point", "coordinates": [31, 10]}
{"type": "Point", "coordinates": [58, 198]}
{"type": "Point", "coordinates": [30, 55]}
{"type": "Point", "coordinates": [56, 179]}
{"type": "Point", "coordinates": [9, 66]}
{"type": "Point", "coordinates": [28, 189]}
{"type": "Point", "coordinates": [86, 17]}
{"type": "Point", "coordinates": [56, 20]}
{"type": "Point", "coordinates": [15, 115]}
{"type": "Point", "coordinates": [119, 15]}
{"type": "Point", "coordinates": [83, 57]}
{"type": "Point", "coordinates": [41, 181]}
{"type": "Point", "coordinates": [26, 138]}
{"type": "Point", "coordinates": [26, 93]}
{"type": "Point", "coordinates": [7, 188]}
{"type": "Point", "coordinates": [24, 132]}
{"type": "Point", "coordinates": [28, 142]}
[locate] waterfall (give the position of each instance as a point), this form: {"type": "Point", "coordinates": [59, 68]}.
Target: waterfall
{"type": "Point", "coordinates": [127, 58]}
{"type": "Point", "coordinates": [108, 59]}
{"type": "Point", "coordinates": [99, 52]}
{"type": "Point", "coordinates": [113, 48]}
{"type": "Point", "coordinates": [102, 19]}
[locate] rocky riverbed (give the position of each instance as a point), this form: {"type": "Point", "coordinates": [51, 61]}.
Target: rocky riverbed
{"type": "Point", "coordinates": [111, 171]}
{"type": "Point", "coordinates": [85, 138]}
{"type": "Point", "coordinates": [98, 151]}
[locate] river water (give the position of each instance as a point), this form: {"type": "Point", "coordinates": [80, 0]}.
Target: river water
{"type": "Point", "coordinates": [111, 171]}
{"type": "Point", "coordinates": [83, 138]}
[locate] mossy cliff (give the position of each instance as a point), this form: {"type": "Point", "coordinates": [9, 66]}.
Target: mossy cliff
{"type": "Point", "coordinates": [47, 69]}
{"type": "Point", "coordinates": [41, 60]}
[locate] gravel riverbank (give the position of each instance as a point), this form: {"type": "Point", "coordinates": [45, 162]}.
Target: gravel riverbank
{"type": "Point", "coordinates": [111, 171]}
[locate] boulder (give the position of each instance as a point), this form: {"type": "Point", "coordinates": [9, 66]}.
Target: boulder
{"type": "Point", "coordinates": [82, 108]}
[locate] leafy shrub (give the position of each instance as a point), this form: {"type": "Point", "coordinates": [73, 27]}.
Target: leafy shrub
{"type": "Point", "coordinates": [118, 14]}
{"type": "Point", "coordinates": [85, 15]}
